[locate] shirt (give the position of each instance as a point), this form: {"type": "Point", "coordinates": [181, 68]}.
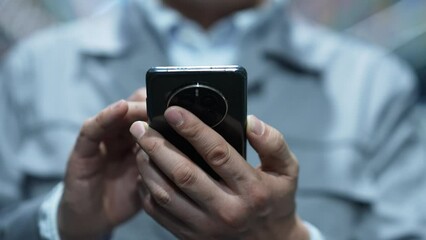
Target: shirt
{"type": "Point", "coordinates": [188, 44]}
{"type": "Point", "coordinates": [344, 107]}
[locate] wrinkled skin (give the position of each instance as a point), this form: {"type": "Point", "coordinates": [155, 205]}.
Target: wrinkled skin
{"type": "Point", "coordinates": [100, 187]}
{"type": "Point", "coordinates": [248, 203]}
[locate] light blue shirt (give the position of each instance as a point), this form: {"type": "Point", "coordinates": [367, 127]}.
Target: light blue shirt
{"type": "Point", "coordinates": [188, 44]}
{"type": "Point", "coordinates": [344, 107]}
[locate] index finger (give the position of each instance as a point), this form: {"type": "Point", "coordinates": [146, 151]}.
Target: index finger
{"type": "Point", "coordinates": [214, 149]}
{"type": "Point", "coordinates": [96, 128]}
{"type": "Point", "coordinates": [138, 95]}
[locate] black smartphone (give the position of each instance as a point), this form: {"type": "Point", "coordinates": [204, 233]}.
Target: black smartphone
{"type": "Point", "coordinates": [215, 94]}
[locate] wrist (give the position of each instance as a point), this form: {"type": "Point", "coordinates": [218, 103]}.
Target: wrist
{"type": "Point", "coordinates": [67, 234]}
{"type": "Point", "coordinates": [296, 230]}
{"type": "Point", "coordinates": [72, 226]}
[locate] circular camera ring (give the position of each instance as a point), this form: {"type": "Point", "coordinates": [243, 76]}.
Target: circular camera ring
{"type": "Point", "coordinates": [206, 102]}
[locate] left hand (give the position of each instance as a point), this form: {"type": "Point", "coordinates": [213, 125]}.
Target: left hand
{"type": "Point", "coordinates": [248, 203]}
{"type": "Point", "coordinates": [100, 190]}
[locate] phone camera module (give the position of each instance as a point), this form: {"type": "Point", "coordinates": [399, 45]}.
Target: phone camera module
{"type": "Point", "coordinates": [205, 102]}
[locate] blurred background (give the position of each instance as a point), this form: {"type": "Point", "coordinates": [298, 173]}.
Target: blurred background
{"type": "Point", "coordinates": [398, 25]}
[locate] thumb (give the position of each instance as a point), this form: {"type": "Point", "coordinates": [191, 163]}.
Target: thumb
{"type": "Point", "coordinates": [273, 151]}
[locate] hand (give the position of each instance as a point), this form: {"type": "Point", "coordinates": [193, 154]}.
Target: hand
{"type": "Point", "coordinates": [101, 177]}
{"type": "Point", "coordinates": [247, 203]}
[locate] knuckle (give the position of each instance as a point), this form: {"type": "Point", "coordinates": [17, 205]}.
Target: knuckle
{"type": "Point", "coordinates": [184, 176]}
{"type": "Point", "coordinates": [161, 197]}
{"type": "Point", "coordinates": [293, 171]}
{"type": "Point", "coordinates": [260, 199]}
{"type": "Point", "coordinates": [86, 126]}
{"type": "Point", "coordinates": [279, 142]}
{"type": "Point", "coordinates": [151, 148]}
{"type": "Point", "coordinates": [87, 123]}
{"type": "Point", "coordinates": [192, 132]}
{"type": "Point", "coordinates": [235, 219]}
{"type": "Point", "coordinates": [99, 119]}
{"type": "Point", "coordinates": [279, 146]}
{"type": "Point", "coordinates": [219, 155]}
{"type": "Point", "coordinates": [86, 129]}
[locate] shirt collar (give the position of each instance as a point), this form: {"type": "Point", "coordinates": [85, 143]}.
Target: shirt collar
{"type": "Point", "coordinates": [113, 29]}
{"type": "Point", "coordinates": [104, 33]}
{"type": "Point", "coordinates": [118, 28]}
{"type": "Point", "coordinates": [165, 20]}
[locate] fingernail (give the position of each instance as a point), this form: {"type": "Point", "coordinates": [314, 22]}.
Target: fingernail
{"type": "Point", "coordinates": [138, 129]}
{"type": "Point", "coordinates": [174, 117]}
{"type": "Point", "coordinates": [255, 125]}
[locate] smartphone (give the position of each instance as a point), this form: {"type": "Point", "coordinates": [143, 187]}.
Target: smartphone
{"type": "Point", "coordinates": [215, 94]}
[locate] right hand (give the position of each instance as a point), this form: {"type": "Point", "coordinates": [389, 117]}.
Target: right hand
{"type": "Point", "coordinates": [247, 203]}
{"type": "Point", "coordinates": [101, 177]}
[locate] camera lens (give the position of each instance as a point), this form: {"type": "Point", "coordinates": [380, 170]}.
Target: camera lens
{"type": "Point", "coordinates": [205, 102]}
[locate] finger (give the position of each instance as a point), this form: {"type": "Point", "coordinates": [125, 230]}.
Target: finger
{"type": "Point", "coordinates": [95, 129]}
{"type": "Point", "coordinates": [269, 143]}
{"type": "Point", "coordinates": [160, 215]}
{"type": "Point", "coordinates": [139, 95]}
{"type": "Point", "coordinates": [122, 189]}
{"type": "Point", "coordinates": [164, 192]}
{"type": "Point", "coordinates": [220, 155]}
{"type": "Point", "coordinates": [119, 140]}
{"type": "Point", "coordinates": [187, 176]}
{"type": "Point", "coordinates": [136, 112]}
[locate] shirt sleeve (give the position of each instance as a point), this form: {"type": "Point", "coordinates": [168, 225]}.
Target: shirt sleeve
{"type": "Point", "coordinates": [48, 212]}
{"type": "Point", "coordinates": [47, 221]}
{"type": "Point", "coordinates": [314, 233]}
{"type": "Point", "coordinates": [15, 209]}
{"type": "Point", "coordinates": [397, 155]}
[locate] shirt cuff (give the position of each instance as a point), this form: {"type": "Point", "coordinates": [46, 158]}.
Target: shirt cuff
{"type": "Point", "coordinates": [47, 221]}
{"type": "Point", "coordinates": [314, 233]}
